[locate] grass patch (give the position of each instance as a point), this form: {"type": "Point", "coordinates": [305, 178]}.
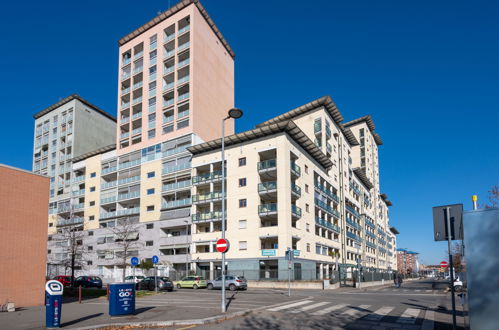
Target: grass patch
{"type": "Point", "coordinates": [143, 293]}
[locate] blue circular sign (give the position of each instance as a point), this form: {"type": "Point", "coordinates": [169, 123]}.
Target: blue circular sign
{"type": "Point", "coordinates": [134, 261]}
{"type": "Point", "coordinates": [155, 259]}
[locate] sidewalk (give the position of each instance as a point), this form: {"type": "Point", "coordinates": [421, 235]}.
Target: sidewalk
{"type": "Point", "coordinates": [185, 307]}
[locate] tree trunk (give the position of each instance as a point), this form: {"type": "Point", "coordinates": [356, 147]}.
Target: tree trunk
{"type": "Point", "coordinates": [72, 269]}
{"type": "Point", "coordinates": [124, 268]}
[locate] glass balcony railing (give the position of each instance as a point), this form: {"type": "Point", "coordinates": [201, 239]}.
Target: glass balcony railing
{"type": "Point", "coordinates": [207, 197]}
{"type": "Point", "coordinates": [126, 61]}
{"type": "Point", "coordinates": [217, 175]}
{"type": "Point", "coordinates": [295, 169]}
{"type": "Point", "coordinates": [184, 29]}
{"type": "Point", "coordinates": [182, 97]}
{"type": "Point", "coordinates": [175, 168]}
{"type": "Point", "coordinates": [168, 86]}
{"type": "Point", "coordinates": [125, 105]}
{"type": "Point", "coordinates": [369, 223]}
{"type": "Point", "coordinates": [267, 186]}
{"type": "Point", "coordinates": [328, 132]}
{"type": "Point", "coordinates": [183, 46]}
{"type": "Point", "coordinates": [353, 236]}
{"type": "Point", "coordinates": [182, 80]}
{"type": "Point", "coordinates": [137, 100]}
{"type": "Point", "coordinates": [125, 120]}
{"type": "Point", "coordinates": [317, 127]}
{"type": "Point", "coordinates": [182, 63]}
{"type": "Point", "coordinates": [133, 194]}
{"type": "Point", "coordinates": [327, 225]}
{"type": "Point", "coordinates": [207, 216]}
{"type": "Point", "coordinates": [267, 164]}
{"type": "Point", "coordinates": [138, 54]}
{"type": "Point", "coordinates": [137, 131]}
{"type": "Point", "coordinates": [137, 85]}
{"type": "Point", "coordinates": [352, 210]}
{"type": "Point", "coordinates": [267, 208]}
{"type": "Point", "coordinates": [169, 102]}
{"type": "Point", "coordinates": [174, 151]}
{"type": "Point", "coordinates": [129, 180]}
{"type": "Point", "coordinates": [109, 169]}
{"type": "Point", "coordinates": [125, 75]}
{"type": "Point", "coordinates": [108, 200]}
{"type": "Point", "coordinates": [368, 233]}
{"type": "Point", "coordinates": [106, 215]}
{"type": "Point", "coordinates": [107, 185]}
{"type": "Point", "coordinates": [168, 54]}
{"type": "Point", "coordinates": [183, 114]}
{"type": "Point", "coordinates": [79, 179]}
{"type": "Point", "coordinates": [353, 224]}
{"type": "Point", "coordinates": [136, 115]}
{"type": "Point", "coordinates": [78, 206]}
{"type": "Point", "coordinates": [296, 189]}
{"type": "Point", "coordinates": [177, 203]}
{"type": "Point", "coordinates": [169, 70]}
{"type": "Point", "coordinates": [327, 192]}
{"type": "Point", "coordinates": [296, 211]}
{"type": "Point", "coordinates": [78, 192]}
{"type": "Point", "coordinates": [177, 185]}
{"type": "Point", "coordinates": [329, 148]}
{"type": "Point", "coordinates": [124, 135]}
{"type": "Point", "coordinates": [169, 37]}
{"type": "Point", "coordinates": [129, 164]}
{"type": "Point", "coordinates": [125, 91]}
{"type": "Point", "coordinates": [72, 221]}
{"type": "Point", "coordinates": [371, 244]}
{"type": "Point", "coordinates": [129, 211]}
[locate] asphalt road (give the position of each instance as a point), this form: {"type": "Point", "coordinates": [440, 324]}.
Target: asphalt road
{"type": "Point", "coordinates": [416, 305]}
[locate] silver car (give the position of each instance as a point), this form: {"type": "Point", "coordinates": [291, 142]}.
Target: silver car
{"type": "Point", "coordinates": [232, 283]}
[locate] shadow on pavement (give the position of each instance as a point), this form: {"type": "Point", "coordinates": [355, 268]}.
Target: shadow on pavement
{"type": "Point", "coordinates": [88, 317]}
{"type": "Point", "coordinates": [142, 310]}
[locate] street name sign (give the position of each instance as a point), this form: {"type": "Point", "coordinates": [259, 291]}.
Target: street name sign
{"type": "Point", "coordinates": [440, 222]}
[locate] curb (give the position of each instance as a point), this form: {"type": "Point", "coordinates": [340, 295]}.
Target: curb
{"type": "Point", "coordinates": [207, 320]}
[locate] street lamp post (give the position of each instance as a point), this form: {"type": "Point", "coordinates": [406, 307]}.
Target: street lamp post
{"type": "Point", "coordinates": [187, 248]}
{"type": "Point", "coordinates": [234, 113]}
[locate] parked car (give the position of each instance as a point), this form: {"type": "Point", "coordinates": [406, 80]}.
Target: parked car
{"type": "Point", "coordinates": [232, 283]}
{"type": "Point", "coordinates": [194, 282]}
{"type": "Point", "coordinates": [134, 279]}
{"type": "Point", "coordinates": [89, 282]}
{"type": "Point", "coordinates": [64, 279]}
{"type": "Point", "coordinates": [149, 283]}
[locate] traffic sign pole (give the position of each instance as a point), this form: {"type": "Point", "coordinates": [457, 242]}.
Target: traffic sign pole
{"type": "Point", "coordinates": [155, 260]}
{"type": "Point", "coordinates": [451, 268]}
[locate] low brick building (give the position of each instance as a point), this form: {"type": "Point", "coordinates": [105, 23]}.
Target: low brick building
{"type": "Point", "coordinates": [23, 236]}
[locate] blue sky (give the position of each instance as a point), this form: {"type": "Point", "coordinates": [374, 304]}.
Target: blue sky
{"type": "Point", "coordinates": [427, 71]}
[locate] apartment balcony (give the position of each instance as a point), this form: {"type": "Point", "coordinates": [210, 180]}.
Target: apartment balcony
{"type": "Point", "coordinates": [177, 203]}
{"type": "Point", "coordinates": [184, 29]}
{"type": "Point", "coordinates": [295, 191]}
{"type": "Point", "coordinates": [207, 177]}
{"type": "Point", "coordinates": [107, 185]}
{"type": "Point", "coordinates": [183, 114]}
{"type": "Point", "coordinates": [381, 241]}
{"type": "Point", "coordinates": [167, 103]}
{"type": "Point", "coordinates": [183, 63]}
{"type": "Point", "coordinates": [295, 170]}
{"type": "Point", "coordinates": [130, 211]}
{"type": "Point", "coordinates": [168, 119]}
{"type": "Point", "coordinates": [137, 100]}
{"type": "Point", "coordinates": [169, 38]}
{"type": "Point", "coordinates": [130, 195]}
{"type": "Point", "coordinates": [129, 180]}
{"type": "Point", "coordinates": [352, 210]}
{"type": "Point", "coordinates": [174, 151]}
{"type": "Point", "coordinates": [71, 221]}
{"type": "Point", "coordinates": [125, 120]}
{"type": "Point", "coordinates": [389, 246]}
{"type": "Point", "coordinates": [137, 85]}
{"type": "Point", "coordinates": [183, 46]}
{"type": "Point", "coordinates": [207, 198]}
{"type": "Point", "coordinates": [328, 132]}
{"type": "Point", "coordinates": [323, 206]}
{"type": "Point", "coordinates": [295, 212]}
{"type": "Point", "coordinates": [137, 115]}
{"type": "Point", "coordinates": [354, 237]}
{"type": "Point", "coordinates": [372, 235]}
{"type": "Point", "coordinates": [353, 224]}
{"type": "Point", "coordinates": [327, 192]}
{"type": "Point", "coordinates": [107, 215]}
{"type": "Point", "coordinates": [329, 148]}
{"type": "Point", "coordinates": [207, 216]}
{"type": "Point", "coordinates": [355, 189]}
{"type": "Point", "coordinates": [168, 54]}
{"type": "Point", "coordinates": [78, 179]}
{"type": "Point", "coordinates": [137, 131]}
{"type": "Point", "coordinates": [318, 128]}
{"type": "Point", "coordinates": [125, 105]}
{"type": "Point", "coordinates": [175, 168]}
{"type": "Point", "coordinates": [268, 190]}
{"type": "Point", "coordinates": [124, 135]}
{"type": "Point", "coordinates": [268, 168]}
{"type": "Point", "coordinates": [174, 241]}
{"type": "Point", "coordinates": [78, 206]}
{"type": "Point", "coordinates": [138, 54]}
{"type": "Point", "coordinates": [182, 97]}
{"type": "Point", "coordinates": [267, 210]}
{"type": "Point", "coordinates": [177, 185]}
{"type": "Point", "coordinates": [168, 87]}
{"type": "Point", "coordinates": [327, 225]}
{"type": "Point", "coordinates": [371, 244]}
{"type": "Point", "coordinates": [182, 80]}
{"type": "Point", "coordinates": [108, 200]}
{"type": "Point", "coordinates": [129, 164]}
{"type": "Point", "coordinates": [153, 61]}
{"type": "Point", "coordinates": [381, 232]}
{"type": "Point", "coordinates": [369, 223]}
{"type": "Point", "coordinates": [78, 192]}
{"type": "Point", "coordinates": [126, 61]}
{"type": "Point", "coordinates": [125, 75]}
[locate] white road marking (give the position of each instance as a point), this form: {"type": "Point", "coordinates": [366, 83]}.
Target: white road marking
{"type": "Point", "coordinates": [355, 311]}
{"type": "Point", "coordinates": [290, 305]}
{"type": "Point", "coordinates": [409, 316]}
{"type": "Point", "coordinates": [379, 314]}
{"type": "Point", "coordinates": [309, 307]}
{"type": "Point", "coordinates": [418, 291]}
{"type": "Point", "coordinates": [427, 290]}
{"type": "Point", "coordinates": [329, 309]}
{"type": "Point", "coordinates": [429, 320]}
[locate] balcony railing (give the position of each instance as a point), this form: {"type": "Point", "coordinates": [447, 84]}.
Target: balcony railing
{"type": "Point", "coordinates": [138, 70]}
{"type": "Point", "coordinates": [182, 97]}
{"type": "Point", "coordinates": [317, 127]}
{"type": "Point", "coordinates": [71, 221]}
{"type": "Point", "coordinates": [168, 54]}
{"type": "Point", "coordinates": [136, 115]}
{"type": "Point", "coordinates": [353, 224]}
{"type": "Point", "coordinates": [108, 200]}
{"type": "Point", "coordinates": [267, 164]}
{"type": "Point", "coordinates": [267, 186]}
{"type": "Point", "coordinates": [139, 54]}
{"type": "Point", "coordinates": [106, 215]}
{"type": "Point", "coordinates": [295, 189]}
{"type": "Point", "coordinates": [183, 46]}
{"type": "Point", "coordinates": [126, 61]}
{"type": "Point", "coordinates": [353, 236]}
{"type": "Point", "coordinates": [78, 192]}
{"type": "Point", "coordinates": [371, 244]}
{"type": "Point", "coordinates": [354, 188]}
{"type": "Point", "coordinates": [133, 194]}
{"type": "Point", "coordinates": [137, 85]}
{"type": "Point", "coordinates": [129, 211]}
{"type": "Point", "coordinates": [369, 223]}
{"type": "Point", "coordinates": [129, 164]}
{"type": "Point", "coordinates": [125, 75]}
{"type": "Point", "coordinates": [206, 177]}
{"type": "Point", "coordinates": [169, 69]}
{"type": "Point", "coordinates": [169, 102]}
{"type": "Point", "coordinates": [125, 91]}
{"type": "Point", "coordinates": [175, 151]}
{"type": "Point", "coordinates": [329, 148]}
{"type": "Point", "coordinates": [322, 205]}
{"type": "Point", "coordinates": [177, 185]}
{"type": "Point", "coordinates": [79, 178]}
{"type": "Point", "coordinates": [197, 217]}
{"type": "Point", "coordinates": [267, 208]}
{"type": "Point", "coordinates": [137, 100]}
{"type": "Point", "coordinates": [168, 86]}
{"type": "Point", "coordinates": [327, 225]}
{"type": "Point", "coordinates": [327, 192]}
{"type": "Point", "coordinates": [328, 132]}
{"type": "Point", "coordinates": [184, 29]}
{"type": "Point", "coordinates": [295, 169]}
{"type": "Point", "coordinates": [368, 233]}
{"type": "Point", "coordinates": [177, 203]}
{"type": "Point", "coordinates": [296, 211]}
{"type": "Point", "coordinates": [125, 105]}
{"type": "Point", "coordinates": [124, 135]}
{"type": "Point", "coordinates": [182, 80]}
{"type": "Point", "coordinates": [352, 210]}
{"type": "Point", "coordinates": [182, 63]}
{"type": "Point", "coordinates": [129, 180]}
{"type": "Point", "coordinates": [169, 37]}
{"type": "Point", "coordinates": [212, 196]}
{"type": "Point", "coordinates": [183, 114]}
{"type": "Point", "coordinates": [107, 185]}
{"type": "Point", "coordinates": [175, 168]}
{"type": "Point", "coordinates": [137, 131]}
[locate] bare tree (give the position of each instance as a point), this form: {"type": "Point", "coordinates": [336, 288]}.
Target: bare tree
{"type": "Point", "coordinates": [126, 234]}
{"type": "Point", "coordinates": [493, 197]}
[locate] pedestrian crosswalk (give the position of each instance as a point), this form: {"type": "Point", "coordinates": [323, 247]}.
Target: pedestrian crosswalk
{"type": "Point", "coordinates": [365, 313]}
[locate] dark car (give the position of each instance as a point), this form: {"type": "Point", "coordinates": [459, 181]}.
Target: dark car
{"type": "Point", "coordinates": [64, 279]}
{"type": "Point", "coordinates": [148, 283]}
{"type": "Point", "coordinates": [89, 282]}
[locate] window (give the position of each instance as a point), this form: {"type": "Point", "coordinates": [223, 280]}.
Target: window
{"type": "Point", "coordinates": [92, 217]}
{"type": "Point", "coordinates": [182, 124]}
{"type": "Point", "coordinates": [168, 129]}
{"type": "Point", "coordinates": [150, 208]}
{"type": "Point", "coordinates": [308, 227]}
{"type": "Point", "coordinates": [90, 248]}
{"type": "Point", "coordinates": [150, 191]}
{"type": "Point", "coordinates": [242, 182]}
{"type": "Point", "coordinates": [93, 174]}
{"type": "Point", "coordinates": [89, 263]}
{"type": "Point", "coordinates": [306, 188]}
{"type": "Point", "coordinates": [151, 174]}
{"type": "Point", "coordinates": [92, 203]}
{"type": "Point", "coordinates": [92, 189]}
{"type": "Point", "coordinates": [307, 208]}
{"type": "Point", "coordinates": [242, 202]}
{"type": "Point", "coordinates": [49, 251]}
{"type": "Point", "coordinates": [91, 233]}
{"type": "Point", "coordinates": [151, 134]}
{"type": "Point", "coordinates": [149, 243]}
{"type": "Point", "coordinates": [308, 247]}
{"type": "Point", "coordinates": [243, 245]}
{"type": "Point", "coordinates": [242, 161]}
{"type": "Point", "coordinates": [242, 224]}
{"type": "Point", "coordinates": [150, 226]}
{"type": "Point", "coordinates": [306, 169]}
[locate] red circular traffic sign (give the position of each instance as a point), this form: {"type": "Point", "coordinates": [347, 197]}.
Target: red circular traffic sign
{"type": "Point", "coordinates": [222, 245]}
{"type": "Point", "coordinates": [443, 264]}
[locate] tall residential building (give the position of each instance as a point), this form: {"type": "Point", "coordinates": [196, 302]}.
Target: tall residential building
{"type": "Point", "coordinates": [24, 200]}
{"type": "Point", "coordinates": [67, 129]}
{"type": "Point", "coordinates": [296, 182]}
{"type": "Point", "coordinates": [176, 77]}
{"type": "Point", "coordinates": [407, 261]}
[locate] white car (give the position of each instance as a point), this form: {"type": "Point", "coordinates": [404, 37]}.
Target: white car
{"type": "Point", "coordinates": [134, 279]}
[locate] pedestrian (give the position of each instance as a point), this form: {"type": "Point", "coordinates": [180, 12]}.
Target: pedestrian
{"type": "Point", "coordinates": [399, 281]}
{"type": "Point", "coordinates": [395, 280]}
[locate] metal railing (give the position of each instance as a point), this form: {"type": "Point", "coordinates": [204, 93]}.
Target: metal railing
{"type": "Point", "coordinates": [177, 203]}
{"type": "Point", "coordinates": [266, 186]}
{"type": "Point", "coordinates": [206, 197]}
{"type": "Point", "coordinates": [133, 194]}
{"type": "Point", "coordinates": [267, 208]}
{"type": "Point", "coordinates": [177, 185]}
{"type": "Point", "coordinates": [175, 168]}
{"type": "Point", "coordinates": [267, 164]}
{"type": "Point", "coordinates": [216, 175]}
{"type": "Point", "coordinates": [129, 180]}
{"type": "Point", "coordinates": [129, 164]}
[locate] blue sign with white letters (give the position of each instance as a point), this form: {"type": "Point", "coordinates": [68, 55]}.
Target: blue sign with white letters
{"type": "Point", "coordinates": [155, 259]}
{"type": "Point", "coordinates": [53, 304]}
{"type": "Point", "coordinates": [134, 261]}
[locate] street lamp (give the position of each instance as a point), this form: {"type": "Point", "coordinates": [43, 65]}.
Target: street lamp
{"type": "Point", "coordinates": [187, 248]}
{"type": "Point", "coordinates": [233, 113]}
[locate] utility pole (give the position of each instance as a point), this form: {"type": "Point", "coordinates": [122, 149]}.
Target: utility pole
{"type": "Point", "coordinates": [451, 267]}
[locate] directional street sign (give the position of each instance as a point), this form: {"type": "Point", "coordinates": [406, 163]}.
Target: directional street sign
{"type": "Point", "coordinates": [134, 261]}
{"type": "Point", "coordinates": [444, 264]}
{"type": "Point", "coordinates": [440, 222]}
{"type": "Point", "coordinates": [155, 259]}
{"type": "Point", "coordinates": [222, 245]}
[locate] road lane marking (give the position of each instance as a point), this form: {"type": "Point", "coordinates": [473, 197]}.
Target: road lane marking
{"type": "Point", "coordinates": [379, 314]}
{"type": "Point", "coordinates": [427, 290]}
{"type": "Point", "coordinates": [418, 290]}
{"type": "Point", "coordinates": [275, 309]}
{"type": "Point", "coordinates": [329, 309]}
{"type": "Point", "coordinates": [354, 311]}
{"type": "Point", "coordinates": [309, 307]}
{"type": "Point", "coordinates": [429, 320]}
{"type": "Point", "coordinates": [409, 316]}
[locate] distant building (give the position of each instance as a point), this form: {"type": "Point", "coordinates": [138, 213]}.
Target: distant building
{"type": "Point", "coordinates": [24, 200]}
{"type": "Point", "coordinates": [407, 261]}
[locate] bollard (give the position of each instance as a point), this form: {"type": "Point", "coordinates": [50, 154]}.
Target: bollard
{"type": "Point", "coordinates": [53, 304]}
{"type": "Point", "coordinates": [79, 294]}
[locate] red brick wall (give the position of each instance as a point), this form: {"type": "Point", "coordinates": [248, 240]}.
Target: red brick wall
{"type": "Point", "coordinates": [24, 201]}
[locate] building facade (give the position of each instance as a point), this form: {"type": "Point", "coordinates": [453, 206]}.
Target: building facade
{"type": "Point", "coordinates": [407, 261]}
{"type": "Point", "coordinates": [23, 229]}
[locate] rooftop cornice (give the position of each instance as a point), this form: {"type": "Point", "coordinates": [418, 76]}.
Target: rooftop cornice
{"type": "Point", "coordinates": [385, 199]}
{"type": "Point", "coordinates": [68, 99]}
{"type": "Point", "coordinates": [170, 12]}
{"type": "Point", "coordinates": [94, 152]}
{"type": "Point", "coordinates": [287, 126]}
{"type": "Point", "coordinates": [363, 178]}
{"type": "Point", "coordinates": [370, 124]}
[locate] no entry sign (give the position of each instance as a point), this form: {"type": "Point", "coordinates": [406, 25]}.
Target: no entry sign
{"type": "Point", "coordinates": [222, 245]}
{"type": "Point", "coordinates": [443, 264]}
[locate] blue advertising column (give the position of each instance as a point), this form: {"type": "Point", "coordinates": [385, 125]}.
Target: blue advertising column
{"type": "Point", "coordinates": [53, 304]}
{"type": "Point", "coordinates": [121, 299]}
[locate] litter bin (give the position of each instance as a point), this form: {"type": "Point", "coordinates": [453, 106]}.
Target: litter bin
{"type": "Point", "coordinates": [53, 304]}
{"type": "Point", "coordinates": [121, 299]}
